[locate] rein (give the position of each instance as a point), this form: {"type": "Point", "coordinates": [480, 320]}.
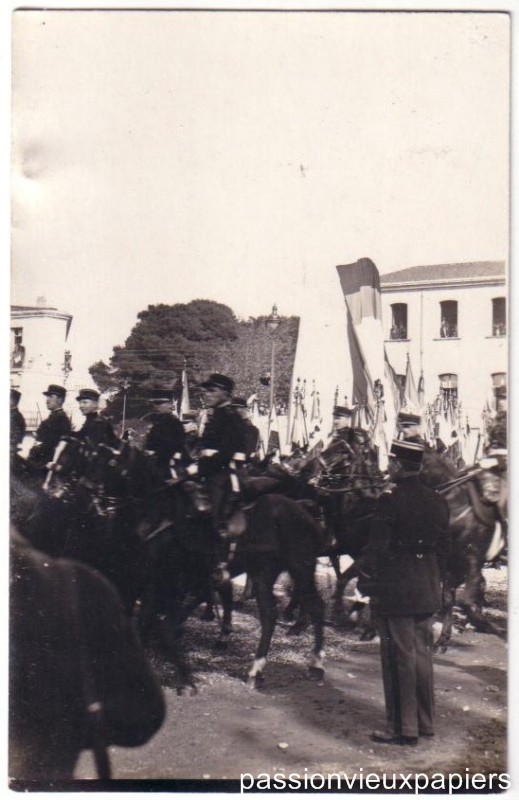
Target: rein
{"type": "Point", "coordinates": [444, 488]}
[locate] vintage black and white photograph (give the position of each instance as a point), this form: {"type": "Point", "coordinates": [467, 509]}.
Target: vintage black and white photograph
{"type": "Point", "coordinates": [259, 375]}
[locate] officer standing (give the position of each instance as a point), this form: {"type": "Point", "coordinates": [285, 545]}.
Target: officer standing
{"type": "Point", "coordinates": [51, 429]}
{"type": "Point", "coordinates": [403, 569]}
{"type": "Point", "coordinates": [95, 429]}
{"type": "Point", "coordinates": [166, 438]}
{"type": "Point", "coordinates": [17, 422]}
{"type": "Point", "coordinates": [222, 446]}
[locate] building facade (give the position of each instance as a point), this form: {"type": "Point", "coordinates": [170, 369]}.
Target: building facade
{"type": "Point", "coordinates": [451, 321]}
{"type": "Point", "coordinates": [38, 355]}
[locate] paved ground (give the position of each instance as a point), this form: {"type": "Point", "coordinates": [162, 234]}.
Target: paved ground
{"type": "Point", "coordinates": [227, 728]}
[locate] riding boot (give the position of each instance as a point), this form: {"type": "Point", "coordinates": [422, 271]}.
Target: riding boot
{"type": "Point", "coordinates": [221, 572]}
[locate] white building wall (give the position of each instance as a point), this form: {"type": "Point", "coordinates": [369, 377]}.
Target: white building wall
{"type": "Point", "coordinates": [474, 355]}
{"type": "Point", "coordinates": [44, 340]}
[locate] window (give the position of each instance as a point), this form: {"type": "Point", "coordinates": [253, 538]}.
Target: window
{"type": "Point", "coordinates": [448, 386]}
{"type": "Point", "coordinates": [498, 316]}
{"type": "Point", "coordinates": [449, 319]}
{"type": "Point", "coordinates": [17, 348]}
{"type": "Point", "coordinates": [500, 390]}
{"type": "Point", "coordinates": [398, 321]}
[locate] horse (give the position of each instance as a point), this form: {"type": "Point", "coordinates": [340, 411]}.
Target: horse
{"type": "Point", "coordinates": [280, 536]}
{"type": "Point", "coordinates": [78, 678]}
{"type": "Point", "coordinates": [79, 514]}
{"type": "Point", "coordinates": [477, 504]}
{"type": "Point", "coordinates": [476, 536]}
{"type": "Point", "coordinates": [344, 514]}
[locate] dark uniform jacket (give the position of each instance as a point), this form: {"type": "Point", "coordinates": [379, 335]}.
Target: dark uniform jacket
{"type": "Point", "coordinates": [407, 553]}
{"type": "Point", "coordinates": [251, 433]}
{"type": "Point", "coordinates": [98, 431]}
{"type": "Point", "coordinates": [166, 437]}
{"type": "Point", "coordinates": [223, 437]}
{"type": "Point", "coordinates": [17, 428]}
{"type": "Point", "coordinates": [48, 435]}
{"type": "Point", "coordinates": [340, 446]}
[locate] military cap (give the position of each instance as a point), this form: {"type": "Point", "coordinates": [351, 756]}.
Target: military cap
{"type": "Point", "coordinates": [342, 411]}
{"type": "Point", "coordinates": [59, 391]}
{"type": "Point", "coordinates": [218, 381]}
{"type": "Point", "coordinates": [15, 395]}
{"type": "Point", "coordinates": [189, 416]}
{"type": "Point", "coordinates": [408, 449]}
{"type": "Point", "coordinates": [405, 419]}
{"type": "Point", "coordinates": [239, 402]}
{"type": "Point", "coordinates": [160, 396]}
{"type": "Point", "coordinates": [88, 394]}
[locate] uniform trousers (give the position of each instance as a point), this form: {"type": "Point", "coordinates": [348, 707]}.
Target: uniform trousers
{"type": "Point", "coordinates": [406, 650]}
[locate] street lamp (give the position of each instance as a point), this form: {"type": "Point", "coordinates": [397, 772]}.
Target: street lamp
{"type": "Point", "coordinates": [272, 323]}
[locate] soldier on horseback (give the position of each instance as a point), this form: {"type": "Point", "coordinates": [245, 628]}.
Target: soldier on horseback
{"type": "Point", "coordinates": [222, 447]}
{"type": "Point", "coordinates": [350, 458]}
{"type": "Point", "coordinates": [166, 439]}
{"type": "Point", "coordinates": [17, 423]}
{"type": "Point", "coordinates": [251, 432]}
{"type": "Point", "coordinates": [95, 428]}
{"type": "Point", "coordinates": [50, 430]}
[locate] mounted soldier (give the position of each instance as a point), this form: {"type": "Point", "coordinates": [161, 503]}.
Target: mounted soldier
{"type": "Point", "coordinates": [408, 425]}
{"type": "Point", "coordinates": [50, 430]}
{"type": "Point", "coordinates": [17, 423]}
{"type": "Point", "coordinates": [349, 461]}
{"type": "Point", "coordinates": [222, 447]}
{"type": "Point", "coordinates": [252, 434]}
{"type": "Point", "coordinates": [166, 439]}
{"type": "Point", "coordinates": [95, 428]}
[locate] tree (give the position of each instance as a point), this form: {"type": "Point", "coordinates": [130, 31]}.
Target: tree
{"type": "Point", "coordinates": [203, 336]}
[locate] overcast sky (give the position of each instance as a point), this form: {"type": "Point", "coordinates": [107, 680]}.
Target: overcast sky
{"type": "Point", "coordinates": [165, 156]}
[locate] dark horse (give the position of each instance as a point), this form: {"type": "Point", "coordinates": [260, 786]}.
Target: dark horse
{"type": "Point", "coordinates": [81, 514]}
{"type": "Point", "coordinates": [476, 539]}
{"type": "Point", "coordinates": [474, 528]}
{"type": "Point", "coordinates": [280, 536]}
{"type": "Point", "coordinates": [343, 513]}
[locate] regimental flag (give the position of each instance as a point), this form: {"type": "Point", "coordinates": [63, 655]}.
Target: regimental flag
{"type": "Point", "coordinates": [183, 401]}
{"type": "Point", "coordinates": [410, 394]}
{"type": "Point", "coordinates": [316, 420]}
{"type": "Point", "coordinates": [363, 393]}
{"type": "Point", "coordinates": [299, 432]}
{"type": "Point", "coordinates": [393, 383]}
{"type": "Point", "coordinates": [257, 420]}
{"type": "Point", "coordinates": [360, 283]}
{"type": "Point", "coordinates": [421, 390]}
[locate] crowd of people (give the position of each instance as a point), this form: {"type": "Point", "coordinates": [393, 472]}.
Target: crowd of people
{"type": "Point", "coordinates": [401, 570]}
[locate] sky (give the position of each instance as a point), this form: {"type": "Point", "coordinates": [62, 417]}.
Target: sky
{"type": "Point", "coordinates": [164, 156]}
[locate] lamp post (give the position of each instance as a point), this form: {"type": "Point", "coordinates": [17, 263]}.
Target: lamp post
{"type": "Point", "coordinates": [272, 324]}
